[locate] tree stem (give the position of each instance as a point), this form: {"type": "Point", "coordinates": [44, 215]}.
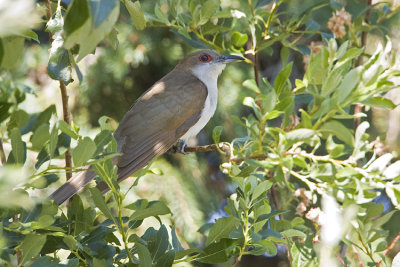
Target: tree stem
{"type": "Point", "coordinates": [67, 119]}
{"type": "Point", "coordinates": [358, 107]}
{"type": "Point", "coordinates": [2, 154]}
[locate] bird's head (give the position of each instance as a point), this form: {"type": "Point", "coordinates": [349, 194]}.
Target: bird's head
{"type": "Point", "coordinates": [207, 63]}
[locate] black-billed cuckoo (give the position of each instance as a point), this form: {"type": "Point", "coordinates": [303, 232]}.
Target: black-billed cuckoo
{"type": "Point", "coordinates": [175, 108]}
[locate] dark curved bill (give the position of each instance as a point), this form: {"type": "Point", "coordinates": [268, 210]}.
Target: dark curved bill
{"type": "Point", "coordinates": [229, 58]}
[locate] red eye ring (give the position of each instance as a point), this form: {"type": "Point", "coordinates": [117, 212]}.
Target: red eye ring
{"type": "Point", "coordinates": [205, 58]}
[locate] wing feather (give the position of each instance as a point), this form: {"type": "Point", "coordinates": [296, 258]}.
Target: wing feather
{"type": "Point", "coordinates": [158, 119]}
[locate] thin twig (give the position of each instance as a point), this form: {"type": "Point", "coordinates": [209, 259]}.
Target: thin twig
{"type": "Point", "coordinates": [64, 97]}
{"type": "Point", "coordinates": [2, 154]}
{"type": "Point", "coordinates": [67, 119]}
{"type": "Point", "coordinates": [213, 147]}
{"type": "Point", "coordinates": [48, 16]}
{"type": "Point", "coordinates": [386, 251]}
{"type": "Point", "coordinates": [357, 256]}
{"type": "Point", "coordinates": [340, 259]}
{"type": "Point", "coordinates": [358, 107]}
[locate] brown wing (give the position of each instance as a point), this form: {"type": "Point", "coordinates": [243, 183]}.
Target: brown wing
{"type": "Point", "coordinates": [151, 126]}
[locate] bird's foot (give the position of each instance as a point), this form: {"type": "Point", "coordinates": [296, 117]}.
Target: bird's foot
{"type": "Point", "coordinates": [179, 147]}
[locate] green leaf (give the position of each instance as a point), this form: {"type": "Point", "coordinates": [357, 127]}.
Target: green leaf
{"type": "Point", "coordinates": [30, 35]}
{"type": "Point", "coordinates": [11, 49]}
{"type": "Point", "coordinates": [98, 199]}
{"type": "Point", "coordinates": [166, 260]}
{"type": "Point", "coordinates": [83, 151]}
{"type": "Point", "coordinates": [305, 120]}
{"type": "Point", "coordinates": [18, 151]}
{"type": "Point", "coordinates": [31, 246]}
{"type": "Point", "coordinates": [334, 150]}
{"type": "Point", "coordinates": [18, 119]}
{"type": "Point", "coordinates": [251, 84]}
{"type": "Point", "coordinates": [53, 141]}
{"type": "Point", "coordinates": [334, 78]}
{"type": "Point", "coordinates": [250, 102]}
{"type": "Point", "coordinates": [239, 40]}
{"type": "Point", "coordinates": [85, 32]}
{"type": "Point", "coordinates": [264, 246]}
{"type": "Point", "coordinates": [44, 181]}
{"type": "Point", "coordinates": [175, 241]}
{"type": "Point", "coordinates": [43, 117]}
{"type": "Point", "coordinates": [208, 8]}
{"type": "Point", "coordinates": [102, 139]}
{"type": "Point", "coordinates": [339, 130]}
{"type": "Point", "coordinates": [77, 14]}
{"type": "Point", "coordinates": [155, 208]}
{"type": "Point", "coordinates": [282, 78]}
{"type": "Point", "coordinates": [380, 102]}
{"type": "Point", "coordinates": [216, 252]}
{"type": "Point", "coordinates": [222, 229]}
{"type": "Point", "coordinates": [59, 66]}
{"type": "Point", "coordinates": [183, 253]}
{"type": "Point", "coordinates": [40, 137]}
{"type": "Point", "coordinates": [216, 134]}
{"type": "Point", "coordinates": [70, 241]}
{"type": "Point", "coordinates": [157, 241]}
{"type": "Point", "coordinates": [136, 13]}
{"type": "Point", "coordinates": [67, 129]}
{"type": "Point", "coordinates": [293, 233]}
{"type": "Point", "coordinates": [261, 188]}
{"type": "Point", "coordinates": [144, 256]}
{"type": "Point", "coordinates": [349, 82]}
{"type": "Point", "coordinates": [299, 135]}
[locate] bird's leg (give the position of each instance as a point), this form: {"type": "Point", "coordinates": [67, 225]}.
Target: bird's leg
{"type": "Point", "coordinates": [179, 147]}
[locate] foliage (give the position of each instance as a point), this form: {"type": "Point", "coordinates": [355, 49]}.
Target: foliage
{"type": "Point", "coordinates": [299, 151]}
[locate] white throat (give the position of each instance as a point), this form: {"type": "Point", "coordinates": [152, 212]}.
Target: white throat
{"type": "Point", "coordinates": [208, 74]}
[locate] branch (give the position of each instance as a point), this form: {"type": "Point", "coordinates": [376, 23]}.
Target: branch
{"type": "Point", "coordinates": [358, 107]}
{"type": "Point", "coordinates": [219, 147]}
{"type": "Point", "coordinates": [386, 251]}
{"type": "Point", "coordinates": [64, 97]}
{"type": "Point", "coordinates": [2, 154]}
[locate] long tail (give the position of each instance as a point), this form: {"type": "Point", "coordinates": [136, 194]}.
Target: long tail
{"type": "Point", "coordinates": [72, 186]}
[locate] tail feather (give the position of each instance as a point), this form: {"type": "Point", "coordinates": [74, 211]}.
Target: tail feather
{"type": "Point", "coordinates": [72, 186]}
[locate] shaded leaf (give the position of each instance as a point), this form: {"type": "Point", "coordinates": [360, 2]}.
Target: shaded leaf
{"type": "Point", "coordinates": [222, 229]}
{"type": "Point", "coordinates": [101, 204]}
{"type": "Point", "coordinates": [136, 13]}
{"type": "Point", "coordinates": [83, 151]}
{"type": "Point", "coordinates": [31, 246]}
{"type": "Point", "coordinates": [18, 151]}
{"type": "Point", "coordinates": [154, 209]}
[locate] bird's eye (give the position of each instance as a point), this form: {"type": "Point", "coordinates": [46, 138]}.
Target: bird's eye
{"type": "Point", "coordinates": [205, 58]}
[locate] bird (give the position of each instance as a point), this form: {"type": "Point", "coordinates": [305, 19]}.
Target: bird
{"type": "Point", "coordinates": [173, 110]}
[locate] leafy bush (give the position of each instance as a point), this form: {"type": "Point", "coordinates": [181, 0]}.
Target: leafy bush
{"type": "Point", "coordinates": [307, 179]}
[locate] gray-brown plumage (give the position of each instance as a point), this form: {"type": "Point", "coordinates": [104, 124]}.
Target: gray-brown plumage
{"type": "Point", "coordinates": [175, 107]}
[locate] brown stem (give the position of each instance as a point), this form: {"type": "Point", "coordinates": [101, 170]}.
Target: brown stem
{"type": "Point", "coordinates": [48, 16]}
{"type": "Point", "coordinates": [391, 246]}
{"type": "Point", "coordinates": [213, 147]}
{"type": "Point", "coordinates": [64, 97]}
{"type": "Point", "coordinates": [2, 154]}
{"type": "Point", "coordinates": [358, 107]}
{"type": "Point", "coordinates": [340, 259]}
{"type": "Point", "coordinates": [357, 256]}
{"type": "Point", "coordinates": [386, 251]}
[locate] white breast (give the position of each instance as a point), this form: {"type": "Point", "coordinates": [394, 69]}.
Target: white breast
{"type": "Point", "coordinates": [208, 74]}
